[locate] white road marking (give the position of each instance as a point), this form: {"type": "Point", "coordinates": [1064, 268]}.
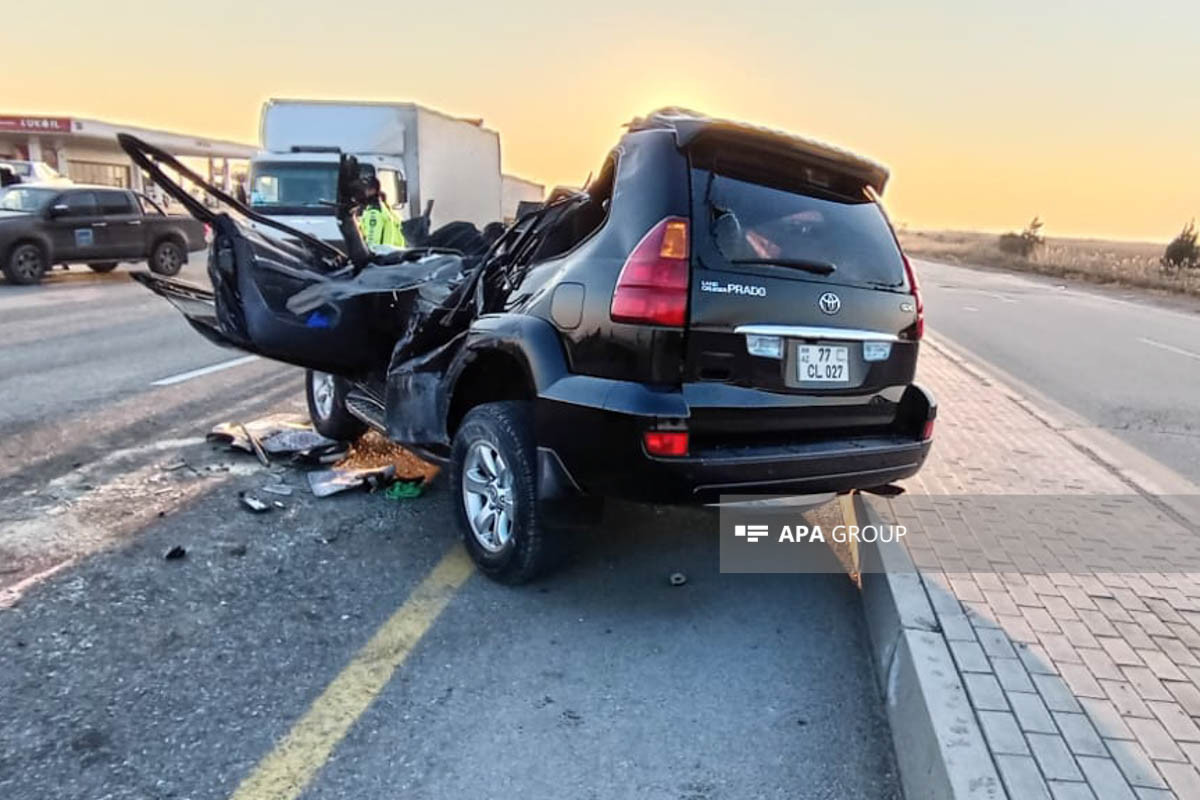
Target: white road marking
{"type": "Point", "coordinates": [1170, 348]}
{"type": "Point", "coordinates": [196, 373]}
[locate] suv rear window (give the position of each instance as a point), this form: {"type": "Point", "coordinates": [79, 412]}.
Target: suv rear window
{"type": "Point", "coordinates": [845, 240]}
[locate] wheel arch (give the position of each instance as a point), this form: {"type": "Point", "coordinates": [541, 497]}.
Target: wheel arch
{"type": "Point", "coordinates": [504, 357]}
{"type": "Point", "coordinates": [169, 235]}
{"type": "Point", "coordinates": [501, 357]}
{"type": "Point", "coordinates": [41, 242]}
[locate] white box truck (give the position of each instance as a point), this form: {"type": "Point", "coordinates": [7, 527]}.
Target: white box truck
{"type": "Point", "coordinates": [418, 154]}
{"type": "Point", "coordinates": [514, 192]}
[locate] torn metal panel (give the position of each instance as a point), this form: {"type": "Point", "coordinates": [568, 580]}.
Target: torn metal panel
{"type": "Point", "coordinates": [279, 293]}
{"type": "Point", "coordinates": [324, 483]}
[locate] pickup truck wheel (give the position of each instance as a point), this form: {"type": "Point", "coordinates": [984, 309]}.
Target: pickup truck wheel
{"type": "Point", "coordinates": [493, 473]}
{"type": "Point", "coordinates": [167, 258]}
{"type": "Point", "coordinates": [326, 395]}
{"type": "Point", "coordinates": [103, 266]}
{"type": "Point", "coordinates": [26, 264]}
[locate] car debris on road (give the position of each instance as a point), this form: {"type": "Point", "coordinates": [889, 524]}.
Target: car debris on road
{"type": "Point", "coordinates": [253, 503]}
{"type": "Point", "coordinates": [326, 482]}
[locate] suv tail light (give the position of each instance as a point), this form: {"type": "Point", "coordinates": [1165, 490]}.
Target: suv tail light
{"type": "Point", "coordinates": [653, 286]}
{"type": "Point", "coordinates": [917, 330]}
{"type": "Point", "coordinates": [666, 443]}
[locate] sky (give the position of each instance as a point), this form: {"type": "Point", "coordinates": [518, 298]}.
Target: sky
{"type": "Point", "coordinates": [987, 113]}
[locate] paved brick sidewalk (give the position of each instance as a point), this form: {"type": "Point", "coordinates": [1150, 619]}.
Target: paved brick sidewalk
{"type": "Point", "coordinates": [1069, 599]}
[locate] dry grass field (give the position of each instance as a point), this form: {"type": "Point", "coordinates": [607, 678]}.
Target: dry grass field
{"type": "Point", "coordinates": [1095, 260]}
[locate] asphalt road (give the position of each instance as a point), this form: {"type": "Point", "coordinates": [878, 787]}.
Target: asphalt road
{"type": "Point", "coordinates": [1125, 362]}
{"type": "Point", "coordinates": [129, 676]}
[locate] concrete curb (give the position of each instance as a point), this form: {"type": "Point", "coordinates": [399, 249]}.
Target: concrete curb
{"type": "Point", "coordinates": [940, 747]}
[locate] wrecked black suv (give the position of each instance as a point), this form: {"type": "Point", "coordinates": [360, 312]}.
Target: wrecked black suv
{"type": "Point", "coordinates": [723, 310]}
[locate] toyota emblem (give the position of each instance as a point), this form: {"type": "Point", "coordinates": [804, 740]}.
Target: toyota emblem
{"type": "Point", "coordinates": [830, 303]}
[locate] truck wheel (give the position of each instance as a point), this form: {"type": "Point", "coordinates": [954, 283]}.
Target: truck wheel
{"type": "Point", "coordinates": [167, 258]}
{"type": "Point", "coordinates": [326, 395]}
{"type": "Point", "coordinates": [493, 475]}
{"type": "Point", "coordinates": [26, 264]}
{"type": "Point", "coordinates": [103, 266]}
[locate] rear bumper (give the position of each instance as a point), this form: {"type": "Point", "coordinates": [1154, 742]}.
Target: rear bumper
{"type": "Point", "coordinates": [590, 442]}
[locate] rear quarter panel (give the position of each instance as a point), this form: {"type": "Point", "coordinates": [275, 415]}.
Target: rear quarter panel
{"type": "Point", "coordinates": [651, 183]}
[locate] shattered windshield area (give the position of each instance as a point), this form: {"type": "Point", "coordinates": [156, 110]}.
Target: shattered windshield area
{"type": "Point", "coordinates": [848, 241]}
{"type": "Point", "coordinates": [16, 198]}
{"type": "Point", "coordinates": [290, 185]}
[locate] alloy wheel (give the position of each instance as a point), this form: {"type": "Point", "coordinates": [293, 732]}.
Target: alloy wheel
{"type": "Point", "coordinates": [487, 493]}
{"type": "Point", "coordinates": [322, 394]}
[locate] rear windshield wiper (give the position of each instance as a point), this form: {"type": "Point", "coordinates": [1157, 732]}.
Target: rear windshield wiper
{"type": "Point", "coordinates": [806, 264]}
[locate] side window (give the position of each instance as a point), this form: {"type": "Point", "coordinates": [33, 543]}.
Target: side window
{"type": "Point", "coordinates": [583, 218]}
{"type": "Point", "coordinates": [79, 204]}
{"type": "Point", "coordinates": [114, 204]}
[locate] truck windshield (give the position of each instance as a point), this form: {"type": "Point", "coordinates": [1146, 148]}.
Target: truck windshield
{"type": "Point", "coordinates": [294, 187]}
{"type": "Point", "coordinates": [844, 240]}
{"type": "Point", "coordinates": [16, 198]}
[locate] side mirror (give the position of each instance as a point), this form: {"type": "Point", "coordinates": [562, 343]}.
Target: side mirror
{"type": "Point", "coordinates": [58, 210]}
{"type": "Point", "coordinates": [401, 193]}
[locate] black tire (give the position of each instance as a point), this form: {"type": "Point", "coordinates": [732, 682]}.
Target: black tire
{"type": "Point", "coordinates": [103, 266]}
{"type": "Point", "coordinates": [26, 264]}
{"type": "Point", "coordinates": [531, 549]}
{"type": "Point", "coordinates": [168, 258]}
{"type": "Point", "coordinates": [328, 414]}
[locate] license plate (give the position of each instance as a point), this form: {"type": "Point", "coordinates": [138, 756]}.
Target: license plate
{"type": "Point", "coordinates": [822, 363]}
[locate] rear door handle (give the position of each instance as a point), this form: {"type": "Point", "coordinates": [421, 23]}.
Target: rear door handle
{"type": "Point", "coordinates": [135, 222]}
{"type": "Point", "coordinates": [99, 224]}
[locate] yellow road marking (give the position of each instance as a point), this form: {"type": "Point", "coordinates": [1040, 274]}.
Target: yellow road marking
{"type": "Point", "coordinates": [297, 758]}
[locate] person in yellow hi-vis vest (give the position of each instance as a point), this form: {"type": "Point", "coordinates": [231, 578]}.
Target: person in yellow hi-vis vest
{"type": "Point", "coordinates": [379, 224]}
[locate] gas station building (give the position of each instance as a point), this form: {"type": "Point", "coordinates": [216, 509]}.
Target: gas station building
{"type": "Point", "coordinates": [86, 150]}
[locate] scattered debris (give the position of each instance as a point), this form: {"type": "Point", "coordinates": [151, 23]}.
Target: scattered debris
{"type": "Point", "coordinates": [325, 454]}
{"type": "Point", "coordinates": [296, 440]}
{"type": "Point", "coordinates": [256, 447]}
{"type": "Point", "coordinates": [175, 553]}
{"type": "Point", "coordinates": [236, 434]}
{"type": "Point", "coordinates": [373, 450]}
{"type": "Point", "coordinates": [677, 579]}
{"type": "Point", "coordinates": [278, 504]}
{"type": "Point", "coordinates": [238, 550]}
{"type": "Point", "coordinates": [174, 465]}
{"type": "Point", "coordinates": [279, 435]}
{"type": "Point", "coordinates": [372, 461]}
{"type": "Point", "coordinates": [405, 489]}
{"type": "Point", "coordinates": [253, 503]}
{"type": "Point", "coordinates": [327, 482]}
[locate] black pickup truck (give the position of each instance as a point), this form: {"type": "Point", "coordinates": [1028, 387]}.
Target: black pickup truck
{"type": "Point", "coordinates": [101, 226]}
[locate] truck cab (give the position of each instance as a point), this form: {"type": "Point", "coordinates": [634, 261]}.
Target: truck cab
{"type": "Point", "coordinates": [300, 187]}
